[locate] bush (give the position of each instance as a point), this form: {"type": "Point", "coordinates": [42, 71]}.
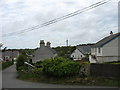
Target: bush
{"type": "Point", "coordinates": [37, 70]}
{"type": "Point", "coordinates": [22, 68]}
{"type": "Point", "coordinates": [61, 67]}
{"type": "Point", "coordinates": [20, 61]}
{"type": "Point", "coordinates": [38, 64]}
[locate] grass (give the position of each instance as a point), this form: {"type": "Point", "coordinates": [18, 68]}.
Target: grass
{"type": "Point", "coordinates": [84, 81]}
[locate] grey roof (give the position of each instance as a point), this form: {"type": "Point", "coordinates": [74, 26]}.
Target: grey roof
{"type": "Point", "coordinates": [106, 40]}
{"type": "Point", "coordinates": [43, 53]}
{"type": "Point", "coordinates": [84, 49]}
{"type": "Point", "coordinates": [10, 53]}
{"type": "Point", "coordinates": [53, 51]}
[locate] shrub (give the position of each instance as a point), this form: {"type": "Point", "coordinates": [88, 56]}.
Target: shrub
{"type": "Point", "coordinates": [61, 67]}
{"type": "Point", "coordinates": [20, 61]}
{"type": "Point", "coordinates": [37, 70]}
{"type": "Point", "coordinates": [22, 68]}
{"type": "Point", "coordinates": [38, 64]}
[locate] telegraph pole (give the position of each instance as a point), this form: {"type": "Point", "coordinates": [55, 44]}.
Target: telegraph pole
{"type": "Point", "coordinates": [66, 42]}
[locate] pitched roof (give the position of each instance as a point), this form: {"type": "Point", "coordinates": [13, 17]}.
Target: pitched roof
{"type": "Point", "coordinates": [43, 53]}
{"type": "Point", "coordinates": [84, 49]}
{"type": "Point", "coordinates": [53, 51]}
{"type": "Point", "coordinates": [10, 53]}
{"type": "Point", "coordinates": [106, 40]}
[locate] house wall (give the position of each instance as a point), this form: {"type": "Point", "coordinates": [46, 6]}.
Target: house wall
{"type": "Point", "coordinates": [76, 55]}
{"type": "Point", "coordinates": [102, 59]}
{"type": "Point", "coordinates": [92, 60]}
{"type": "Point", "coordinates": [93, 51]}
{"type": "Point", "coordinates": [99, 53]}
{"type": "Point", "coordinates": [111, 48]}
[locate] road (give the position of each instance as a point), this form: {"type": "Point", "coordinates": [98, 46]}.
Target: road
{"type": "Point", "coordinates": [10, 81]}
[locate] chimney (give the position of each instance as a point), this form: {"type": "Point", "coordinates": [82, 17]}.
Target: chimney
{"type": "Point", "coordinates": [48, 44]}
{"type": "Point", "coordinates": [42, 43]}
{"type": "Point", "coordinates": [111, 33]}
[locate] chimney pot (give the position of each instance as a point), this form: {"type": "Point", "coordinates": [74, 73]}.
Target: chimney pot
{"type": "Point", "coordinates": [48, 44]}
{"type": "Point", "coordinates": [42, 43]}
{"type": "Point", "coordinates": [111, 33]}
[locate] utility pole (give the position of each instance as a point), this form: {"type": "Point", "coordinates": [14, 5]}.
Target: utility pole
{"type": "Point", "coordinates": [66, 42]}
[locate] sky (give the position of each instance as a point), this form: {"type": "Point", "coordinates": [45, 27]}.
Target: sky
{"type": "Point", "coordinates": [87, 27]}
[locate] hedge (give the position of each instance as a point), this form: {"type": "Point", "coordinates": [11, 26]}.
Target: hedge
{"type": "Point", "coordinates": [61, 67]}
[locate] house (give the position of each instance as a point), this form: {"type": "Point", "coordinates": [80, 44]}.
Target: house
{"type": "Point", "coordinates": [10, 55]}
{"type": "Point", "coordinates": [106, 50]}
{"type": "Point", "coordinates": [80, 52]}
{"type": "Point", "coordinates": [44, 52]}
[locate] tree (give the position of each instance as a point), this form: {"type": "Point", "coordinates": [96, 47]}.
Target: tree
{"type": "Point", "coordinates": [20, 61]}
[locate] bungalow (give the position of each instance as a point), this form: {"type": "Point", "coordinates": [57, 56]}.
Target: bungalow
{"type": "Point", "coordinates": [44, 52]}
{"type": "Point", "coordinates": [106, 50]}
{"type": "Point", "coordinates": [80, 52]}
{"type": "Point", "coordinates": [10, 55]}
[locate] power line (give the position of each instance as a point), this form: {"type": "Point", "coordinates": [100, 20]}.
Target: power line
{"type": "Point", "coordinates": [58, 19]}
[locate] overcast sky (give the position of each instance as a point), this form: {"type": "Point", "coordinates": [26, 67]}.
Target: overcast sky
{"type": "Point", "coordinates": [87, 27]}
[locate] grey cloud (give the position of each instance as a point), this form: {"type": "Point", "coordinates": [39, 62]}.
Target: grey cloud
{"type": "Point", "coordinates": [87, 27]}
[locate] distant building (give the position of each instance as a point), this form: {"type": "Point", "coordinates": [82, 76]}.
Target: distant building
{"type": "Point", "coordinates": [9, 55]}
{"type": "Point", "coordinates": [44, 52]}
{"type": "Point", "coordinates": [80, 52]}
{"type": "Point", "coordinates": [106, 50]}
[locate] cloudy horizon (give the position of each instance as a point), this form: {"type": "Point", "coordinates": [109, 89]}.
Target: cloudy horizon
{"type": "Point", "coordinates": [87, 27]}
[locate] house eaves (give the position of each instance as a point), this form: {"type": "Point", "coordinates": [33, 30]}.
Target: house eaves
{"type": "Point", "coordinates": [106, 40]}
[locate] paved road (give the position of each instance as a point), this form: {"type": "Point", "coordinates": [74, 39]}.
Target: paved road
{"type": "Point", "coordinates": [10, 81]}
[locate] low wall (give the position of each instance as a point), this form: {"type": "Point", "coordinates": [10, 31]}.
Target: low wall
{"type": "Point", "coordinates": [106, 70]}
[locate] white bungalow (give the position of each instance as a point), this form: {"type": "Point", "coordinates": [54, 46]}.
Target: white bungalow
{"type": "Point", "coordinates": [80, 52]}
{"type": "Point", "coordinates": [106, 50]}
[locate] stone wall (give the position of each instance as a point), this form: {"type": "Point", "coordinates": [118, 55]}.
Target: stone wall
{"type": "Point", "coordinates": [106, 70]}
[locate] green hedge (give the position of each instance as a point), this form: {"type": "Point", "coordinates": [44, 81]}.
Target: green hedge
{"type": "Point", "coordinates": [6, 64]}
{"type": "Point", "coordinates": [61, 67]}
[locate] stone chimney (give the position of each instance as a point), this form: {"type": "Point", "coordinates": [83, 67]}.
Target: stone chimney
{"type": "Point", "coordinates": [48, 44]}
{"type": "Point", "coordinates": [42, 43]}
{"type": "Point", "coordinates": [111, 33]}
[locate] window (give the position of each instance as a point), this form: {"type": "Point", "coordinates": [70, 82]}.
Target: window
{"type": "Point", "coordinates": [81, 56]}
{"type": "Point", "coordinates": [73, 56]}
{"type": "Point", "coordinates": [99, 50]}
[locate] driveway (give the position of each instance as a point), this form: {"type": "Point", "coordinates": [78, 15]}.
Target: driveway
{"type": "Point", "coordinates": [10, 81]}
